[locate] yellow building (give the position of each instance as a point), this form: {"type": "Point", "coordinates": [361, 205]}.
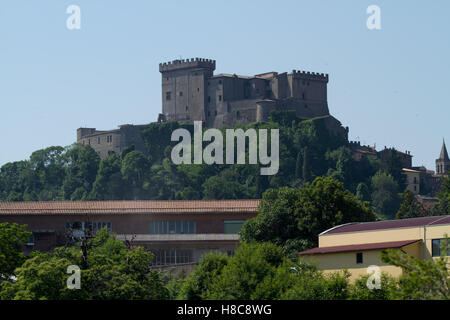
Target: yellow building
{"type": "Point", "coordinates": [356, 246]}
{"type": "Point", "coordinates": [412, 180]}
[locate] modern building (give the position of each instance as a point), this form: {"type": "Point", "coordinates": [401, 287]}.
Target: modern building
{"type": "Point", "coordinates": [110, 142]}
{"type": "Point", "coordinates": [175, 231]}
{"type": "Point", "coordinates": [356, 246]}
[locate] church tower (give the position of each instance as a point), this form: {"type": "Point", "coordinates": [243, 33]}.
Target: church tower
{"type": "Point", "coordinates": [443, 163]}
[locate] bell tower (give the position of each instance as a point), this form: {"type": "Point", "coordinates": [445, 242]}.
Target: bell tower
{"type": "Point", "coordinates": [443, 163]}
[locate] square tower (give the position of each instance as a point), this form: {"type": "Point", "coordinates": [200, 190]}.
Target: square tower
{"type": "Point", "coordinates": [184, 88]}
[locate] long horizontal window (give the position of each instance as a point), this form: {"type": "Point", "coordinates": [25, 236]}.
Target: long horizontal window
{"type": "Point", "coordinates": [171, 256]}
{"type": "Point", "coordinates": [172, 227]}
{"type": "Point", "coordinates": [79, 228]}
{"type": "Point", "coordinates": [436, 247]}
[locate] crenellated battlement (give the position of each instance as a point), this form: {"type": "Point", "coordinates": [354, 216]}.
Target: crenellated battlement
{"type": "Point", "coordinates": [310, 75]}
{"type": "Point", "coordinates": [187, 63]}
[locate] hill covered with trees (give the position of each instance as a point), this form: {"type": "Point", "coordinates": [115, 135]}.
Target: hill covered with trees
{"type": "Point", "coordinates": [308, 149]}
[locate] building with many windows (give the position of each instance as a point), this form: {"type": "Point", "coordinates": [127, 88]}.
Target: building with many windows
{"type": "Point", "coordinates": [175, 231]}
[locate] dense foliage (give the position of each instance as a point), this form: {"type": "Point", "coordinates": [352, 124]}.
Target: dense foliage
{"type": "Point", "coordinates": [293, 217]}
{"type": "Point", "coordinates": [12, 238]}
{"type": "Point", "coordinates": [109, 270]}
{"type": "Point", "coordinates": [308, 149]}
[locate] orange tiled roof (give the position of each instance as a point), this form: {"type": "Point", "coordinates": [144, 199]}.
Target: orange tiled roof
{"type": "Point", "coordinates": [130, 207]}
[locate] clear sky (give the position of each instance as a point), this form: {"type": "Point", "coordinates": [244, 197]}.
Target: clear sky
{"type": "Point", "coordinates": [390, 86]}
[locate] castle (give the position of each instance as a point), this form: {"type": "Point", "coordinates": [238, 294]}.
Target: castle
{"type": "Point", "coordinates": [191, 91]}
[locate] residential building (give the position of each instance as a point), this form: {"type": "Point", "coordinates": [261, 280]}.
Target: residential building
{"type": "Point", "coordinates": [412, 180]}
{"type": "Point", "coordinates": [356, 246]}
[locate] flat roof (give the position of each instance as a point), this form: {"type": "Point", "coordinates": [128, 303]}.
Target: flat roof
{"type": "Point", "coordinates": [359, 247]}
{"type": "Point", "coordinates": [129, 207]}
{"type": "Point", "coordinates": [388, 224]}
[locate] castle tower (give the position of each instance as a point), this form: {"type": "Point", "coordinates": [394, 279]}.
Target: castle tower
{"type": "Point", "coordinates": [184, 88]}
{"type": "Point", "coordinates": [443, 163]}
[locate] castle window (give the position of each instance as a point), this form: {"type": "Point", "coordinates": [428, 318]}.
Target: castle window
{"type": "Point", "coordinates": [168, 93]}
{"type": "Point", "coordinates": [220, 97]}
{"type": "Point", "coordinates": [181, 93]}
{"type": "Point", "coordinates": [215, 112]}
{"type": "Point", "coordinates": [303, 96]}
{"type": "Point", "coordinates": [89, 141]}
{"type": "Point", "coordinates": [198, 89]}
{"type": "Point", "coordinates": [167, 78]}
{"type": "Point", "coordinates": [220, 81]}
{"type": "Point", "coordinates": [209, 99]}
{"type": "Point", "coordinates": [187, 108]}
{"type": "Point", "coordinates": [98, 140]}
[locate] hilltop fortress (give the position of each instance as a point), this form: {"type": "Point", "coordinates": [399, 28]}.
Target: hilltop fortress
{"type": "Point", "coordinates": [190, 91]}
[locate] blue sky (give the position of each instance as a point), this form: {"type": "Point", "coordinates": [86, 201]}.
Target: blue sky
{"type": "Point", "coordinates": [390, 86]}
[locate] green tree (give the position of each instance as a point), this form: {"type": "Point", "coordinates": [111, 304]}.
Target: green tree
{"type": "Point", "coordinates": [427, 279]}
{"type": "Point", "coordinates": [109, 271]}
{"type": "Point", "coordinates": [292, 218]}
{"type": "Point", "coordinates": [109, 184]}
{"type": "Point", "coordinates": [358, 290]}
{"type": "Point", "coordinates": [197, 285]}
{"type": "Point", "coordinates": [135, 171]}
{"type": "Point", "coordinates": [443, 207]}
{"type": "Point", "coordinates": [239, 279]}
{"type": "Point", "coordinates": [385, 198]}
{"type": "Point", "coordinates": [410, 207]}
{"type": "Point", "coordinates": [362, 192]}
{"type": "Point", "coordinates": [12, 238]}
{"type": "Point", "coordinates": [81, 171]}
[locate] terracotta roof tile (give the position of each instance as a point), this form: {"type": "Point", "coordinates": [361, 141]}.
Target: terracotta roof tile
{"type": "Point", "coordinates": [130, 207]}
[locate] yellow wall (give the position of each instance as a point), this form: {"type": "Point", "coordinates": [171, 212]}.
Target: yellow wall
{"type": "Point", "coordinates": [410, 181]}
{"type": "Point", "coordinates": [428, 233]}
{"type": "Point", "coordinates": [333, 262]}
